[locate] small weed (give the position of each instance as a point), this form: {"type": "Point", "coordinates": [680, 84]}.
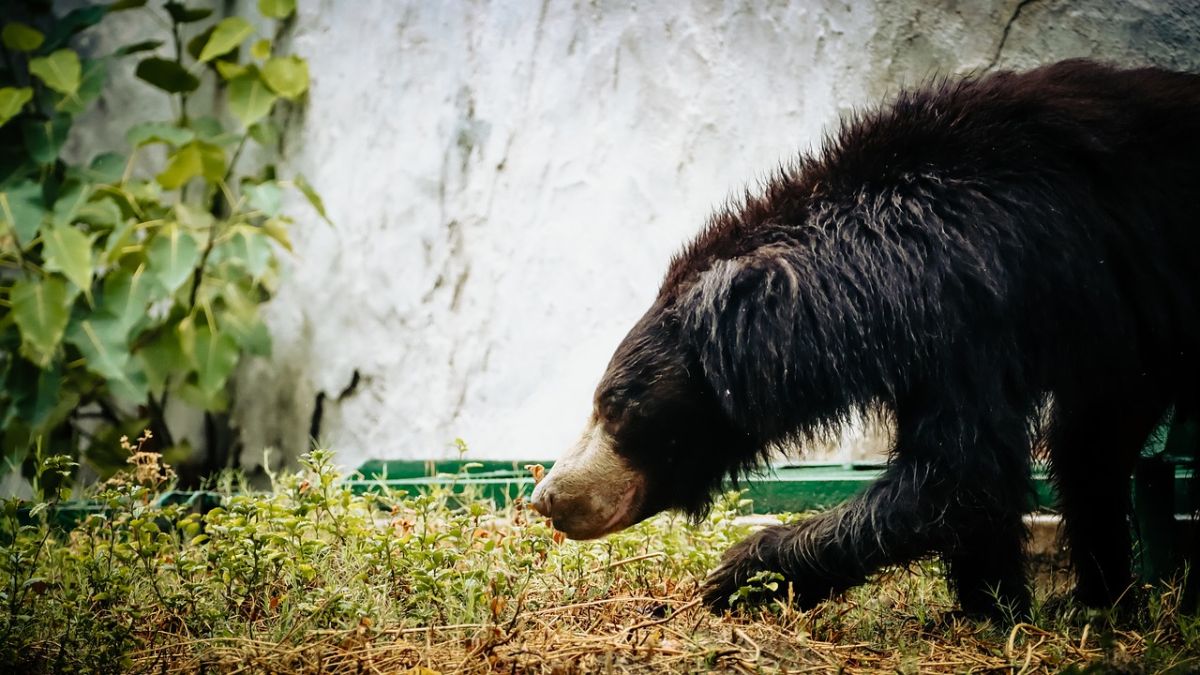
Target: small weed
{"type": "Point", "coordinates": [760, 585]}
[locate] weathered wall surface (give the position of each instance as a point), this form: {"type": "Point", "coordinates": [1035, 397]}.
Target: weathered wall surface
{"type": "Point", "coordinates": [508, 180]}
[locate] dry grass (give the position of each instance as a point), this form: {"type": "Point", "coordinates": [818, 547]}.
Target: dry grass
{"type": "Point", "coordinates": [870, 633]}
{"type": "Point", "coordinates": [904, 622]}
{"type": "Point", "coordinates": [309, 578]}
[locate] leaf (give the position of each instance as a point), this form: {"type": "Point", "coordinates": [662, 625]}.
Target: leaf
{"type": "Point", "coordinates": [172, 255]}
{"type": "Point", "coordinates": [166, 75]}
{"type": "Point", "coordinates": [107, 167]}
{"type": "Point", "coordinates": [287, 76]}
{"type": "Point", "coordinates": [249, 247]}
{"type": "Point", "coordinates": [311, 195]}
{"type": "Point", "coordinates": [210, 130]}
{"type": "Point", "coordinates": [162, 357]}
{"type": "Point", "coordinates": [229, 33]}
{"type": "Point", "coordinates": [265, 133]}
{"type": "Point", "coordinates": [190, 393]}
{"type": "Point", "coordinates": [230, 70]}
{"type": "Point", "coordinates": [265, 197]}
{"type": "Point", "coordinates": [40, 308]}
{"type": "Point", "coordinates": [181, 14]}
{"type": "Point", "coordinates": [71, 23]}
{"type": "Point", "coordinates": [95, 74]}
{"type": "Point", "coordinates": [193, 217]}
{"type": "Point", "coordinates": [68, 250]}
{"type": "Point", "coordinates": [70, 199]}
{"type": "Point", "coordinates": [119, 241]}
{"type": "Point", "coordinates": [22, 209]}
{"type": "Point", "coordinates": [215, 356]}
{"type": "Point", "coordinates": [212, 161]}
{"type": "Point", "coordinates": [196, 44]}
{"type": "Point", "coordinates": [249, 99]}
{"type": "Point", "coordinates": [194, 159]}
{"type": "Point", "coordinates": [107, 354]}
{"type": "Point", "coordinates": [241, 320]}
{"type": "Point", "coordinates": [44, 138]}
{"type": "Point", "coordinates": [206, 127]}
{"type": "Point", "coordinates": [182, 166]}
{"type": "Point", "coordinates": [50, 405]}
{"type": "Point", "coordinates": [60, 71]}
{"type": "Point", "coordinates": [143, 46]}
{"type": "Point", "coordinates": [12, 99]}
{"type": "Point", "coordinates": [158, 132]}
{"type": "Point", "coordinates": [277, 9]}
{"type": "Point", "coordinates": [277, 230]}
{"type": "Point", "coordinates": [20, 37]}
{"type": "Point", "coordinates": [101, 213]}
{"type": "Point", "coordinates": [125, 298]}
{"type": "Point", "coordinates": [261, 49]}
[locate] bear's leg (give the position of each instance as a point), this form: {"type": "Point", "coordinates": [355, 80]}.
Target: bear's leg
{"type": "Point", "coordinates": [986, 566]}
{"type": "Point", "coordinates": [921, 505]}
{"type": "Point", "coordinates": [824, 555]}
{"type": "Point", "coordinates": [984, 545]}
{"type": "Point", "coordinates": [1094, 442]}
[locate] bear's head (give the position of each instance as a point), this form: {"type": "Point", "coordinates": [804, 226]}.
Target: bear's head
{"type": "Point", "coordinates": [657, 437]}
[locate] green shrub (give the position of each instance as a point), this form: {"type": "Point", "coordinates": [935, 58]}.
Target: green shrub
{"type": "Point", "coordinates": [311, 577]}
{"type": "Point", "coordinates": [134, 278]}
{"type": "Point", "coordinates": [308, 555]}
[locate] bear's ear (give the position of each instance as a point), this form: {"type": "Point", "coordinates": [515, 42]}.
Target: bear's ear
{"type": "Point", "coordinates": [740, 319]}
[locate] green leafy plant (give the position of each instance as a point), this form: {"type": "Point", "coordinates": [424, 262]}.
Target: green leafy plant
{"type": "Point", "coordinates": [141, 572]}
{"type": "Point", "coordinates": [761, 585]}
{"type": "Point", "coordinates": [314, 575]}
{"type": "Point", "coordinates": [134, 279]}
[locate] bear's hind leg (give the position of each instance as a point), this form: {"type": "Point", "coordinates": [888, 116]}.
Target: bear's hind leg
{"type": "Point", "coordinates": [986, 567]}
{"type": "Point", "coordinates": [937, 495]}
{"type": "Point", "coordinates": [1094, 442]}
{"type": "Point", "coordinates": [984, 550]}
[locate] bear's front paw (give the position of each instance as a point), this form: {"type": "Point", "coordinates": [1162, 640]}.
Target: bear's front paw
{"type": "Point", "coordinates": [769, 564]}
{"type": "Point", "coordinates": [749, 571]}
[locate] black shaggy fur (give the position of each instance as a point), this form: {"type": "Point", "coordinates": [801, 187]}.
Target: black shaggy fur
{"type": "Point", "coordinates": [953, 258]}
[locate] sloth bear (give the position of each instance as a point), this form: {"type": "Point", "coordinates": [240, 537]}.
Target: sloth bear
{"type": "Point", "coordinates": [957, 258]}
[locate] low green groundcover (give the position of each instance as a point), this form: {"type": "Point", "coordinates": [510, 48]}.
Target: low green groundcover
{"type": "Point", "coordinates": [314, 576]}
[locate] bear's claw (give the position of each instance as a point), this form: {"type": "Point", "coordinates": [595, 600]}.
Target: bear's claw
{"type": "Point", "coordinates": [771, 549]}
{"type": "Point", "coordinates": [718, 589]}
{"type": "Point", "coordinates": [755, 554]}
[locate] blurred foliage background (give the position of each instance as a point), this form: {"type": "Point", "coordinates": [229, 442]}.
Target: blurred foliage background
{"type": "Point", "coordinates": [130, 279]}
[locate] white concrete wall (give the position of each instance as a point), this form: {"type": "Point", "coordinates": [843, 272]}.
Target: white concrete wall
{"type": "Point", "coordinates": [508, 180]}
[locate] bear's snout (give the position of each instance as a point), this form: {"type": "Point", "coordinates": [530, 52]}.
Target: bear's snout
{"type": "Point", "coordinates": [543, 499]}
{"type": "Point", "coordinates": [591, 491]}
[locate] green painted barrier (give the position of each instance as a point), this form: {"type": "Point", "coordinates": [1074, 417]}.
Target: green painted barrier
{"type": "Point", "coordinates": [1165, 498]}
{"type": "Point", "coordinates": [1160, 490]}
{"type": "Point", "coordinates": [787, 488]}
{"type": "Point", "coordinates": [69, 514]}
